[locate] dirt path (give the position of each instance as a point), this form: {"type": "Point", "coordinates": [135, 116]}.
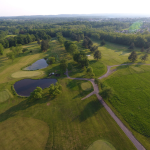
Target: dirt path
{"type": "Point", "coordinates": [136, 143]}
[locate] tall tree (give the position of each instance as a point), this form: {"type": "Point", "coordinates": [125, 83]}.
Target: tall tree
{"type": "Point", "coordinates": [1, 49]}
{"type": "Point", "coordinates": [44, 45]}
{"type": "Point", "coordinates": [144, 58]}
{"type": "Point", "coordinates": [89, 72]}
{"type": "Point", "coordinates": [51, 60]}
{"type": "Point", "coordinates": [63, 65]}
{"type": "Point", "coordinates": [97, 55]}
{"type": "Point", "coordinates": [81, 59]}
{"type": "Point", "coordinates": [133, 56]}
{"type": "Point", "coordinates": [93, 48]}
{"type": "Point", "coordinates": [55, 89]}
{"type": "Point", "coordinates": [11, 56]}
{"type": "Point", "coordinates": [36, 94]}
{"type": "Point", "coordinates": [103, 42]}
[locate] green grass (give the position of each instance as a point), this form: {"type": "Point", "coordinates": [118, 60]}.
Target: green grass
{"type": "Point", "coordinates": [10, 36]}
{"type": "Point", "coordinates": [135, 26]}
{"type": "Point", "coordinates": [73, 124]}
{"type": "Point", "coordinates": [86, 86]}
{"type": "Point", "coordinates": [101, 145]}
{"type": "Point", "coordinates": [131, 99]}
{"type": "Point", "coordinates": [4, 96]}
{"type": "Point", "coordinates": [23, 74]}
{"type": "Point", "coordinates": [23, 133]}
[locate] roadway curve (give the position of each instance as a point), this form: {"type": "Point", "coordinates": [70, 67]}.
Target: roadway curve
{"type": "Point", "coordinates": [136, 143]}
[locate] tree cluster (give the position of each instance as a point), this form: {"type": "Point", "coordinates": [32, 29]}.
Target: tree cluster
{"type": "Point", "coordinates": [70, 47]}
{"type": "Point", "coordinates": [55, 89]}
{"type": "Point", "coordinates": [44, 45]}
{"type": "Point", "coordinates": [87, 42]}
{"type": "Point", "coordinates": [81, 59]}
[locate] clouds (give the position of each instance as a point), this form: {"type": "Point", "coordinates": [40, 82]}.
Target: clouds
{"type": "Point", "coordinates": [50, 7]}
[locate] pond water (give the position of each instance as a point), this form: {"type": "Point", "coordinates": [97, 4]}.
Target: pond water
{"type": "Point", "coordinates": [39, 64]}
{"type": "Point", "coordinates": [26, 86]}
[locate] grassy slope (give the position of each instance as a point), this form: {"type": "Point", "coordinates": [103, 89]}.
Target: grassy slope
{"type": "Point", "coordinates": [73, 124]}
{"type": "Point", "coordinates": [131, 100]}
{"type": "Point", "coordinates": [101, 145]}
{"type": "Point", "coordinates": [23, 133]}
{"type": "Point", "coordinates": [22, 74]}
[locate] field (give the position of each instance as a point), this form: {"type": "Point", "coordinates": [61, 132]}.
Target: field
{"type": "Point", "coordinates": [101, 145]}
{"type": "Point", "coordinates": [135, 26]}
{"type": "Point", "coordinates": [23, 74]}
{"type": "Point", "coordinates": [72, 123]}
{"type": "Point", "coordinates": [131, 99]}
{"type": "Point", "coordinates": [23, 133]}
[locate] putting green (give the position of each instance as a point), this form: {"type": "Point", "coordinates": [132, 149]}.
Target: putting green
{"type": "Point", "coordinates": [86, 86]}
{"type": "Point", "coordinates": [101, 145]}
{"type": "Point", "coordinates": [21, 74]}
{"type": "Point", "coordinates": [23, 134]}
{"type": "Point", "coordinates": [4, 96]}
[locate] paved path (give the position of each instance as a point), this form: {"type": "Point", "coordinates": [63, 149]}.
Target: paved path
{"type": "Point", "coordinates": [136, 143]}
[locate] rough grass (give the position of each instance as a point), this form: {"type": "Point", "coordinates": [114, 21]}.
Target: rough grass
{"type": "Point", "coordinates": [101, 145]}
{"type": "Point", "coordinates": [86, 86]}
{"type": "Point", "coordinates": [131, 85]}
{"type": "Point", "coordinates": [22, 74]}
{"type": "Point", "coordinates": [23, 133]}
{"type": "Point", "coordinates": [73, 124]}
{"type": "Point", "coordinates": [4, 96]}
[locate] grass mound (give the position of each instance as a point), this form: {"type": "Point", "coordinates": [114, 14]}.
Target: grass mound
{"type": "Point", "coordinates": [23, 133]}
{"type": "Point", "coordinates": [21, 74]}
{"type": "Point", "coordinates": [86, 86]}
{"type": "Point", "coordinates": [4, 96]}
{"type": "Point", "coordinates": [101, 145]}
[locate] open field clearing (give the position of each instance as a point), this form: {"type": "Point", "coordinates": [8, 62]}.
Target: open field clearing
{"type": "Point", "coordinates": [101, 145]}
{"type": "Point", "coordinates": [131, 99]}
{"type": "Point", "coordinates": [23, 74]}
{"type": "Point", "coordinates": [23, 133]}
{"type": "Point", "coordinates": [73, 124]}
{"type": "Point", "coordinates": [86, 86]}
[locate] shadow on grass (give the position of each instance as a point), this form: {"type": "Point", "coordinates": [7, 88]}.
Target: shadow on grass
{"type": "Point", "coordinates": [22, 106]}
{"type": "Point", "coordinates": [90, 110]}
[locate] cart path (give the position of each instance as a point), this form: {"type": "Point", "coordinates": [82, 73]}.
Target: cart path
{"type": "Point", "coordinates": [136, 143]}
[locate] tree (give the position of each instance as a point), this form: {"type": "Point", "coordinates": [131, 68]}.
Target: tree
{"type": "Point", "coordinates": [38, 41]}
{"type": "Point", "coordinates": [1, 49]}
{"type": "Point", "coordinates": [70, 47]}
{"type": "Point", "coordinates": [36, 94]}
{"type": "Point", "coordinates": [97, 81]}
{"type": "Point", "coordinates": [55, 89]}
{"type": "Point", "coordinates": [89, 72]}
{"type": "Point", "coordinates": [93, 48]}
{"type": "Point", "coordinates": [51, 60]}
{"type": "Point", "coordinates": [103, 42]}
{"type": "Point", "coordinates": [107, 93]}
{"type": "Point", "coordinates": [131, 46]}
{"type": "Point", "coordinates": [44, 45]}
{"type": "Point", "coordinates": [87, 42]}
{"type": "Point", "coordinates": [97, 55]}
{"type": "Point", "coordinates": [63, 65]}
{"type": "Point", "coordinates": [24, 50]}
{"type": "Point", "coordinates": [144, 58]}
{"type": "Point", "coordinates": [81, 59]}
{"type": "Point", "coordinates": [133, 56]}
{"type": "Point", "coordinates": [11, 56]}
{"type": "Point", "coordinates": [18, 48]}
{"type": "Point", "coordinates": [142, 49]}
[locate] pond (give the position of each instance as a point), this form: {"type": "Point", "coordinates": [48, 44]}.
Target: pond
{"type": "Point", "coordinates": [26, 86]}
{"type": "Point", "coordinates": [39, 64]}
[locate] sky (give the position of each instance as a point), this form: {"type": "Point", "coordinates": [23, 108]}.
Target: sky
{"type": "Point", "coordinates": [54, 7]}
